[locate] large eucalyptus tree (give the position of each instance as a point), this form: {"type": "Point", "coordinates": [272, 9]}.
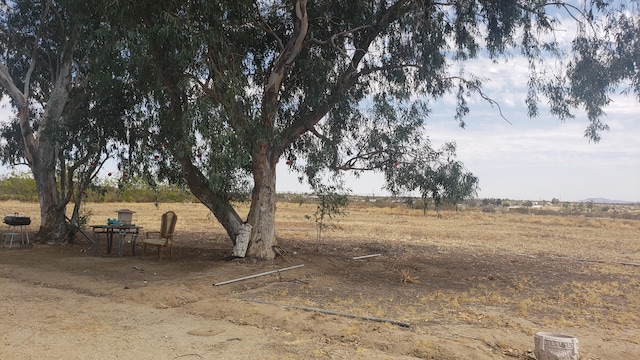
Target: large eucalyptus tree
{"type": "Point", "coordinates": [60, 66]}
{"type": "Point", "coordinates": [332, 85]}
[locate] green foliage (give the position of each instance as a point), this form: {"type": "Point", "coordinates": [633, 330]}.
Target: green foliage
{"type": "Point", "coordinates": [433, 174]}
{"type": "Point", "coordinates": [137, 190]}
{"type": "Point", "coordinates": [84, 217]}
{"type": "Point", "coordinates": [355, 96]}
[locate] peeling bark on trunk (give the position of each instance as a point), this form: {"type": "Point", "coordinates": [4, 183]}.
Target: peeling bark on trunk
{"type": "Point", "coordinates": [40, 151]}
{"type": "Point", "coordinates": [263, 210]}
{"type": "Point", "coordinates": [53, 224]}
{"type": "Point", "coordinates": [283, 62]}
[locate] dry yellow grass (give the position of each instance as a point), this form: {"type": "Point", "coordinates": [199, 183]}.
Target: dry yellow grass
{"type": "Point", "coordinates": [463, 267]}
{"type": "Point", "coordinates": [610, 240]}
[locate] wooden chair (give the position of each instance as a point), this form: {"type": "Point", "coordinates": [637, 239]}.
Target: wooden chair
{"type": "Point", "coordinates": [162, 238]}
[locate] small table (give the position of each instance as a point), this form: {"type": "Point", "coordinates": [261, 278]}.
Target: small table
{"type": "Point", "coordinates": [122, 230]}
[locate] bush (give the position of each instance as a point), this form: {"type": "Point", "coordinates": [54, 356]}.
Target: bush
{"type": "Point", "coordinates": [21, 187]}
{"type": "Point", "coordinates": [488, 209]}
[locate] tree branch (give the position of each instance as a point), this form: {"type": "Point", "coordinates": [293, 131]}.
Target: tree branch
{"type": "Point", "coordinates": [348, 78]}
{"type": "Point", "coordinates": [315, 132]}
{"type": "Point", "coordinates": [478, 90]}
{"type": "Point", "coordinates": [350, 164]}
{"type": "Point", "coordinates": [567, 6]}
{"type": "Point", "coordinates": [332, 40]}
{"type": "Point", "coordinates": [34, 52]}
{"type": "Point", "coordinates": [469, 84]}
{"type": "Point", "coordinates": [265, 26]}
{"type": "Point", "coordinates": [283, 61]}
{"type": "Point", "coordinates": [16, 95]}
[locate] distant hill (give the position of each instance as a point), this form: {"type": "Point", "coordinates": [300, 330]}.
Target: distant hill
{"type": "Point", "coordinates": [607, 201]}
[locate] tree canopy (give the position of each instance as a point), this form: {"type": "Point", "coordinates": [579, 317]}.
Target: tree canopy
{"type": "Point", "coordinates": [61, 65]}
{"type": "Point", "coordinates": [233, 87]}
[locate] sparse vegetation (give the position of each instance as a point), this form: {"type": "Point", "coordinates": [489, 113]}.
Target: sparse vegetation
{"type": "Point", "coordinates": [21, 187]}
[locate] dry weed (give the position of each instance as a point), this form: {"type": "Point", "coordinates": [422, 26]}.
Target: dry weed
{"type": "Point", "coordinates": [407, 278]}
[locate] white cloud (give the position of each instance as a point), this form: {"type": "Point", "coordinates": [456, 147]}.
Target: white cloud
{"type": "Point", "coordinates": [539, 158]}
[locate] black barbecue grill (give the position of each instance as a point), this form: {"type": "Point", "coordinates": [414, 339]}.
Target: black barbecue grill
{"type": "Point", "coordinates": [15, 220]}
{"type": "Point", "coordinates": [18, 227]}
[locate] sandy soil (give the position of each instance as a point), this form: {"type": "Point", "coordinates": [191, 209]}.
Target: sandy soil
{"type": "Point", "coordinates": [459, 302]}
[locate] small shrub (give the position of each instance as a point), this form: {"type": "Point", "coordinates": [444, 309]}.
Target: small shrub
{"type": "Point", "coordinates": [488, 209]}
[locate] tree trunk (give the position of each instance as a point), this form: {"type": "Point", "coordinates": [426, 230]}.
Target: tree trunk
{"type": "Point", "coordinates": [53, 224]}
{"type": "Point", "coordinates": [40, 154]}
{"type": "Point", "coordinates": [262, 213]}
{"type": "Point", "coordinates": [218, 203]}
{"type": "Point", "coordinates": [263, 199]}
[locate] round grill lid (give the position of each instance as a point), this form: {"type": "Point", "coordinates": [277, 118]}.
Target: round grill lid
{"type": "Point", "coordinates": [16, 220]}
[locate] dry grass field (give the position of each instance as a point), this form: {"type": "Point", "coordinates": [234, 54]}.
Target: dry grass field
{"type": "Point", "coordinates": [470, 285]}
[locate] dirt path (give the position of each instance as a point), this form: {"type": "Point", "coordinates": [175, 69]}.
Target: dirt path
{"type": "Point", "coordinates": [60, 303]}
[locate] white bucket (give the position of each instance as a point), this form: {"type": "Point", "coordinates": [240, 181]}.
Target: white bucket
{"type": "Point", "coordinates": [549, 346]}
{"type": "Point", "coordinates": [242, 241]}
{"type": "Point", "coordinates": [125, 216]}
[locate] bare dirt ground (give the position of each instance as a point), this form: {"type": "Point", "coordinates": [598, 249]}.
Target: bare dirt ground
{"type": "Point", "coordinates": [469, 285]}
